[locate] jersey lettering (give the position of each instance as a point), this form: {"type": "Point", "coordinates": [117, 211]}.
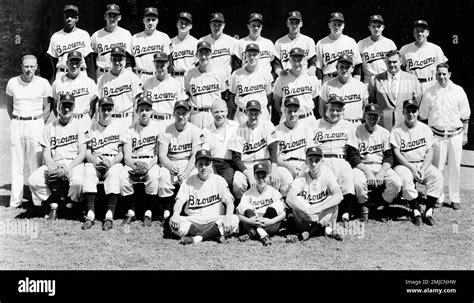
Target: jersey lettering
{"type": "Point", "coordinates": [317, 198]}
{"type": "Point", "coordinates": [413, 65]}
{"type": "Point", "coordinates": [297, 90]}
{"type": "Point", "coordinates": [205, 89]}
{"type": "Point", "coordinates": [369, 58]}
{"type": "Point", "coordinates": [406, 146]}
{"type": "Point", "coordinates": [371, 149]}
{"type": "Point", "coordinates": [349, 98]}
{"type": "Point", "coordinates": [137, 144]}
{"type": "Point", "coordinates": [59, 142]}
{"type": "Point", "coordinates": [183, 54]}
{"type": "Point", "coordinates": [243, 91]}
{"type": "Point", "coordinates": [332, 57]}
{"type": "Point", "coordinates": [161, 97]}
{"type": "Point", "coordinates": [99, 143]}
{"type": "Point", "coordinates": [64, 49]}
{"type": "Point", "coordinates": [142, 51]}
{"type": "Point", "coordinates": [177, 149]}
{"type": "Point", "coordinates": [285, 54]}
{"type": "Point", "coordinates": [115, 91]}
{"type": "Point", "coordinates": [78, 92]}
{"type": "Point", "coordinates": [107, 48]}
{"type": "Point", "coordinates": [221, 52]}
{"type": "Point", "coordinates": [261, 203]}
{"type": "Point", "coordinates": [291, 146]}
{"type": "Point", "coordinates": [250, 148]}
{"type": "Point", "coordinates": [195, 203]}
{"type": "Point", "coordinates": [322, 137]}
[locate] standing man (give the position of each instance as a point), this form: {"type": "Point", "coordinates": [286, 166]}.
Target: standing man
{"type": "Point", "coordinates": [208, 206]}
{"type": "Point", "coordinates": [334, 45]}
{"type": "Point", "coordinates": [68, 39]}
{"type": "Point", "coordinates": [446, 108]}
{"type": "Point", "coordinates": [28, 108]}
{"type": "Point", "coordinates": [108, 37]}
{"type": "Point", "coordinates": [184, 47]}
{"type": "Point", "coordinates": [390, 88]}
{"type": "Point", "coordinates": [421, 57]}
{"type": "Point", "coordinates": [412, 143]}
{"type": "Point", "coordinates": [374, 48]}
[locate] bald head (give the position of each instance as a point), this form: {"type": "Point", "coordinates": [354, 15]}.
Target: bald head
{"type": "Point", "coordinates": [219, 104]}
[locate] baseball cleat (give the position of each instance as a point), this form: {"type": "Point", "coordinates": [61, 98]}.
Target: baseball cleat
{"type": "Point", "coordinates": [418, 221]}
{"type": "Point", "coordinates": [244, 238]}
{"type": "Point", "coordinates": [186, 240]}
{"type": "Point", "coordinates": [336, 236]}
{"type": "Point", "coordinates": [147, 221]}
{"type": "Point", "coordinates": [364, 217]}
{"type": "Point", "coordinates": [53, 215]}
{"type": "Point", "coordinates": [429, 221]}
{"type": "Point", "coordinates": [88, 224]}
{"type": "Point", "coordinates": [345, 222]}
{"type": "Point", "coordinates": [128, 220]}
{"type": "Point", "coordinates": [456, 205]}
{"type": "Point", "coordinates": [266, 241]}
{"type": "Point", "coordinates": [292, 239]}
{"type": "Point", "coordinates": [221, 240]}
{"type": "Point", "coordinates": [438, 205]}
{"type": "Point", "coordinates": [166, 214]}
{"type": "Point", "coordinates": [108, 224]}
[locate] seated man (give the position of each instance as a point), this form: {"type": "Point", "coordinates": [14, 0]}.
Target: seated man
{"type": "Point", "coordinates": [208, 205]}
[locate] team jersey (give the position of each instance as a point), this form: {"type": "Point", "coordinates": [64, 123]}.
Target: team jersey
{"type": "Point", "coordinates": [62, 43]}
{"type": "Point", "coordinates": [28, 96]}
{"type": "Point", "coordinates": [328, 52]}
{"type": "Point", "coordinates": [143, 139]}
{"type": "Point", "coordinates": [250, 86]}
{"type": "Point", "coordinates": [371, 146]}
{"type": "Point", "coordinates": [422, 61]}
{"type": "Point", "coordinates": [82, 88]}
{"type": "Point", "coordinates": [267, 52]}
{"type": "Point", "coordinates": [184, 53]}
{"type": "Point", "coordinates": [217, 140]}
{"type": "Point", "coordinates": [145, 46]}
{"type": "Point", "coordinates": [180, 144]}
{"type": "Point", "coordinates": [332, 138]}
{"type": "Point", "coordinates": [106, 139]}
{"type": "Point", "coordinates": [295, 141]}
{"type": "Point", "coordinates": [316, 190]}
{"type": "Point", "coordinates": [122, 88]}
{"type": "Point", "coordinates": [204, 199]}
{"type": "Point", "coordinates": [204, 88]}
{"type": "Point", "coordinates": [164, 94]}
{"type": "Point", "coordinates": [222, 50]}
{"type": "Point", "coordinates": [252, 142]}
{"type": "Point", "coordinates": [412, 142]}
{"type": "Point", "coordinates": [103, 41]}
{"type": "Point", "coordinates": [354, 93]}
{"type": "Point", "coordinates": [64, 140]}
{"type": "Point", "coordinates": [373, 54]}
{"type": "Point", "coordinates": [304, 87]}
{"type": "Point", "coordinates": [284, 45]}
{"type": "Point", "coordinates": [259, 202]}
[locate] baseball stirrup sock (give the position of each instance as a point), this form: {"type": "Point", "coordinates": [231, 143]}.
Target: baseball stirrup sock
{"type": "Point", "coordinates": [346, 204]}
{"type": "Point", "coordinates": [112, 202]}
{"type": "Point", "coordinates": [91, 201]}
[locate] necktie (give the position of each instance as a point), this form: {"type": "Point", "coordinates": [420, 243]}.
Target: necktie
{"type": "Point", "coordinates": [393, 88]}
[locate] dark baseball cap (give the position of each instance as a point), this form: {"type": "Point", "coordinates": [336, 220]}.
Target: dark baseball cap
{"type": "Point", "coordinates": [71, 7]}
{"type": "Point", "coordinates": [204, 45]}
{"type": "Point", "coordinates": [314, 151]}
{"type": "Point", "coordinates": [217, 17]}
{"type": "Point", "coordinates": [203, 154]}
{"type": "Point", "coordinates": [336, 16]}
{"type": "Point", "coordinates": [255, 17]}
{"type": "Point", "coordinates": [410, 103]}
{"type": "Point", "coordinates": [336, 99]}
{"type": "Point", "coordinates": [118, 51]}
{"type": "Point", "coordinates": [252, 46]}
{"type": "Point", "coordinates": [181, 103]}
{"type": "Point", "coordinates": [67, 98]}
{"type": "Point", "coordinates": [372, 109]}
{"type": "Point", "coordinates": [150, 11]}
{"type": "Point", "coordinates": [345, 58]}
{"type": "Point", "coordinates": [292, 101]}
{"type": "Point", "coordinates": [106, 101]}
{"type": "Point", "coordinates": [74, 55]}
{"type": "Point", "coordinates": [160, 56]}
{"type": "Point", "coordinates": [186, 15]}
{"type": "Point", "coordinates": [376, 18]}
{"type": "Point", "coordinates": [297, 51]}
{"type": "Point", "coordinates": [421, 23]}
{"type": "Point", "coordinates": [260, 167]}
{"type": "Point", "coordinates": [253, 104]}
{"type": "Point", "coordinates": [294, 15]}
{"type": "Point", "coordinates": [143, 99]}
{"type": "Point", "coordinates": [112, 8]}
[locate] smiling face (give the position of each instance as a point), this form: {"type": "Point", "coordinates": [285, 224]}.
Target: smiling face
{"type": "Point", "coordinates": [65, 111]}
{"type": "Point", "coordinates": [105, 114]}
{"type": "Point", "coordinates": [220, 115]}
{"type": "Point", "coordinates": [203, 166]}
{"type": "Point", "coordinates": [181, 116]}
{"type": "Point", "coordinates": [252, 116]}
{"type": "Point", "coordinates": [73, 67]}
{"type": "Point", "coordinates": [118, 63]}
{"type": "Point", "coordinates": [144, 111]}
{"type": "Point", "coordinates": [262, 179]}
{"type": "Point", "coordinates": [421, 34]}
{"type": "Point", "coordinates": [296, 63]}
{"type": "Point", "coordinates": [204, 57]}
{"type": "Point", "coordinates": [161, 68]}
{"type": "Point", "coordinates": [411, 115]}
{"type": "Point", "coordinates": [442, 76]}
{"type": "Point", "coordinates": [252, 57]}
{"type": "Point", "coordinates": [291, 113]}
{"type": "Point", "coordinates": [334, 112]}
{"type": "Point", "coordinates": [344, 70]}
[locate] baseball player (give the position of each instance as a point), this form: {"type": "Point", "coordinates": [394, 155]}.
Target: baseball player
{"type": "Point", "coordinates": [331, 135]}
{"type": "Point", "coordinates": [261, 209]}
{"type": "Point", "coordinates": [267, 48]}
{"type": "Point", "coordinates": [370, 154]}
{"type": "Point", "coordinates": [421, 57]}
{"type": "Point", "coordinates": [122, 85]}
{"type": "Point", "coordinates": [296, 83]}
{"type": "Point", "coordinates": [314, 199]}
{"type": "Point", "coordinates": [184, 47]}
{"type": "Point", "coordinates": [374, 48]}
{"type": "Point", "coordinates": [412, 143]}
{"type": "Point", "coordinates": [64, 149]}
{"type": "Point", "coordinates": [178, 144]}
{"type": "Point", "coordinates": [26, 98]}
{"type": "Point", "coordinates": [446, 109]}
{"type": "Point", "coordinates": [204, 84]}
{"type": "Point", "coordinates": [250, 82]}
{"type": "Point", "coordinates": [68, 39]}
{"type": "Point", "coordinates": [334, 45]}
{"type": "Point", "coordinates": [353, 92]}
{"type": "Point", "coordinates": [140, 144]}
{"type": "Point", "coordinates": [208, 206]}
{"type": "Point", "coordinates": [295, 39]}
{"type": "Point", "coordinates": [108, 37]}
{"type": "Point", "coordinates": [147, 43]}
{"type": "Point", "coordinates": [78, 84]}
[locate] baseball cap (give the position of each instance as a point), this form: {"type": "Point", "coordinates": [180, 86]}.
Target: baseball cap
{"type": "Point", "coordinates": [70, 7]}
{"type": "Point", "coordinates": [112, 8]}
{"type": "Point", "coordinates": [181, 103]}
{"type": "Point", "coordinates": [336, 99]}
{"type": "Point", "coordinates": [260, 167]}
{"type": "Point", "coordinates": [144, 100]}
{"type": "Point", "coordinates": [336, 16]}
{"type": "Point", "coordinates": [203, 154]}
{"type": "Point", "coordinates": [255, 17]}
{"type": "Point", "coordinates": [203, 45]}
{"type": "Point", "coordinates": [252, 46]}
{"type": "Point", "coordinates": [314, 151]}
{"type": "Point", "coordinates": [106, 101]}
{"type": "Point", "coordinates": [118, 51]}
{"type": "Point", "coordinates": [217, 17]}
{"type": "Point", "coordinates": [410, 103]}
{"type": "Point", "coordinates": [74, 55]}
{"type": "Point", "coordinates": [150, 11]}
{"type": "Point", "coordinates": [294, 15]}
{"type": "Point", "coordinates": [292, 101]}
{"type": "Point", "coordinates": [345, 58]}
{"type": "Point", "coordinates": [376, 18]}
{"type": "Point", "coordinates": [67, 98]}
{"type": "Point", "coordinates": [372, 109]}
{"type": "Point", "coordinates": [253, 104]}
{"type": "Point", "coordinates": [160, 56]}
{"type": "Point", "coordinates": [296, 51]}
{"type": "Point", "coordinates": [185, 15]}
{"type": "Point", "coordinates": [421, 23]}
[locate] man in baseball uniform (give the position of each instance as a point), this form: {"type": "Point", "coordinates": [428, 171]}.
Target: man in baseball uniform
{"type": "Point", "coordinates": [334, 45]}
{"type": "Point", "coordinates": [261, 209]}
{"type": "Point", "coordinates": [204, 84]}
{"type": "Point", "coordinates": [374, 48]}
{"type": "Point", "coordinates": [64, 149]}
{"type": "Point", "coordinates": [104, 157]}
{"type": "Point", "coordinates": [421, 57]}
{"type": "Point", "coordinates": [295, 39]}
{"type": "Point", "coordinates": [331, 135]}
{"type": "Point", "coordinates": [122, 85]}
{"type": "Point", "coordinates": [412, 143]}
{"type": "Point", "coordinates": [296, 83]}
{"type": "Point", "coordinates": [27, 99]}
{"type": "Point", "coordinates": [370, 154]}
{"type": "Point", "coordinates": [208, 205]}
{"type": "Point", "coordinates": [68, 39]}
{"type": "Point", "coordinates": [314, 199]}
{"type": "Point", "coordinates": [78, 84]}
{"type": "Point", "coordinates": [108, 37]}
{"type": "Point", "coordinates": [147, 43]}
{"type": "Point", "coordinates": [250, 82]}
{"type": "Point", "coordinates": [446, 109]}
{"type": "Point", "coordinates": [353, 92]}
{"type": "Point", "coordinates": [184, 47]}
{"type": "Point", "coordinates": [140, 144]}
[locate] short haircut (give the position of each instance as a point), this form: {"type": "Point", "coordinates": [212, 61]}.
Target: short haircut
{"type": "Point", "coordinates": [28, 57]}
{"type": "Point", "coordinates": [391, 53]}
{"type": "Point", "coordinates": [441, 65]}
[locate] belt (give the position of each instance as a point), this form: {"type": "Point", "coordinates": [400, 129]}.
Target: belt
{"type": "Point", "coordinates": [422, 80]}
{"type": "Point", "coordinates": [334, 156]}
{"type": "Point", "coordinates": [446, 133]}
{"type": "Point", "coordinates": [179, 73]}
{"type": "Point", "coordinates": [28, 118]}
{"type": "Point", "coordinates": [162, 117]}
{"type": "Point", "coordinates": [103, 70]}
{"type": "Point", "coordinates": [64, 70]}
{"type": "Point", "coordinates": [353, 120]}
{"type": "Point", "coordinates": [295, 159]}
{"type": "Point", "coordinates": [416, 161]}
{"type": "Point", "coordinates": [331, 75]}
{"type": "Point", "coordinates": [202, 109]}
{"type": "Point", "coordinates": [144, 72]}
{"type": "Point", "coordinates": [108, 155]}
{"type": "Point", "coordinates": [121, 115]}
{"type": "Point", "coordinates": [302, 116]}
{"type": "Point", "coordinates": [78, 116]}
{"type": "Point", "coordinates": [141, 157]}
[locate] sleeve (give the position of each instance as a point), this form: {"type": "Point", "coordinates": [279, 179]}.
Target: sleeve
{"type": "Point", "coordinates": [311, 47]}
{"type": "Point", "coordinates": [270, 132]}
{"type": "Point", "coordinates": [128, 45]}
{"type": "Point", "coordinates": [244, 204]}
{"type": "Point", "coordinates": [319, 55]}
{"type": "Point", "coordinates": [199, 138]}
{"type": "Point", "coordinates": [9, 90]}
{"type": "Point", "coordinates": [278, 50]}
{"type": "Point", "coordinates": [136, 85]}
{"type": "Point", "coordinates": [429, 136]}
{"type": "Point", "coordinates": [403, 51]}
{"type": "Point", "coordinates": [357, 59]}
{"type": "Point", "coordinates": [238, 49]}
{"type": "Point", "coordinates": [223, 81]}
{"type": "Point", "coordinates": [52, 47]}
{"type": "Point", "coordinates": [395, 138]}
{"type": "Point", "coordinates": [315, 84]}
{"type": "Point", "coordinates": [126, 136]}
{"type": "Point", "coordinates": [277, 87]}
{"type": "Point", "coordinates": [441, 56]}
{"type": "Point", "coordinates": [84, 135]}
{"type": "Point", "coordinates": [236, 143]}
{"type": "Point", "coordinates": [187, 79]}
{"type": "Point", "coordinates": [352, 139]}
{"type": "Point", "coordinates": [268, 83]}
{"type": "Point", "coordinates": [87, 49]}
{"type": "Point", "coordinates": [183, 192]}
{"type": "Point", "coordinates": [94, 42]}
{"type": "Point", "coordinates": [181, 94]}
{"type": "Point", "coordinates": [223, 189]}
{"type": "Point", "coordinates": [233, 83]}
{"type": "Point", "coordinates": [94, 92]}
{"type": "Point", "coordinates": [464, 108]}
{"type": "Point", "coordinates": [388, 156]}
{"type": "Point", "coordinates": [296, 187]}
{"type": "Point", "coordinates": [425, 105]}
{"type": "Point", "coordinates": [46, 137]}
{"type": "Point", "coordinates": [47, 89]}
{"type": "Point", "coordinates": [54, 90]}
{"type": "Point", "coordinates": [323, 95]}
{"type": "Point", "coordinates": [353, 156]}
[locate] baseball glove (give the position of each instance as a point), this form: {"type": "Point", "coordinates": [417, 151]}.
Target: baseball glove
{"type": "Point", "coordinates": [139, 173]}
{"type": "Point", "coordinates": [56, 175]}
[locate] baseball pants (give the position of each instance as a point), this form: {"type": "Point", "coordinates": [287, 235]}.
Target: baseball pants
{"type": "Point", "coordinates": [201, 225]}
{"type": "Point", "coordinates": [151, 184]}
{"type": "Point", "coordinates": [433, 181]}
{"type": "Point", "coordinates": [201, 119]}
{"type": "Point", "coordinates": [167, 182]}
{"type": "Point", "coordinates": [343, 172]}
{"type": "Point", "coordinates": [111, 181]}
{"type": "Point", "coordinates": [241, 117]}
{"type": "Point", "coordinates": [392, 182]}
{"type": "Point", "coordinates": [327, 217]}
{"type": "Point", "coordinates": [41, 192]}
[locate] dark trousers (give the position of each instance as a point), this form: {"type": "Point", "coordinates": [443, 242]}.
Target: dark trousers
{"type": "Point", "coordinates": [224, 169]}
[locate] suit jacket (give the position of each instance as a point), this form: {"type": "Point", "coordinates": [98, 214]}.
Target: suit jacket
{"type": "Point", "coordinates": [392, 108]}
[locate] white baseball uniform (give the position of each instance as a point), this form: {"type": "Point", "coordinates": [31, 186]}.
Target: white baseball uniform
{"type": "Point", "coordinates": [184, 55]}
{"type": "Point", "coordinates": [259, 202]}
{"type": "Point", "coordinates": [267, 52]}
{"type": "Point", "coordinates": [284, 45]}
{"type": "Point", "coordinates": [222, 50]}
{"type": "Point", "coordinates": [373, 55]}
